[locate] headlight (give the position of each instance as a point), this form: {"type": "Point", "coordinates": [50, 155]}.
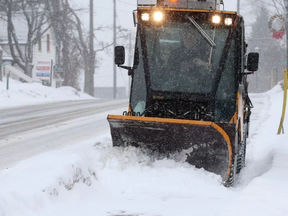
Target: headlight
{"type": "Point", "coordinates": [216, 19]}
{"type": "Point", "coordinates": [158, 16]}
{"type": "Point", "coordinates": [145, 17]}
{"type": "Point", "coordinates": [228, 21]}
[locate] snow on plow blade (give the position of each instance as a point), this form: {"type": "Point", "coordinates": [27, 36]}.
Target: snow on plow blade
{"type": "Point", "coordinates": [209, 144]}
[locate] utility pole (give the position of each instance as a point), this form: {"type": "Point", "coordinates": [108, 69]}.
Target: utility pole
{"type": "Point", "coordinates": [1, 56]}
{"type": "Point", "coordinates": [114, 44]}
{"type": "Point", "coordinates": [238, 6]}
{"type": "Point", "coordinates": [91, 50]}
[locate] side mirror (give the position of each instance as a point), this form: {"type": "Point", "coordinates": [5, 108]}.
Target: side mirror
{"type": "Point", "coordinates": [119, 55]}
{"type": "Point", "coordinates": [253, 62]}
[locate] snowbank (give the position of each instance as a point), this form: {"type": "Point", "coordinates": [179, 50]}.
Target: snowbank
{"type": "Point", "coordinates": [21, 94]}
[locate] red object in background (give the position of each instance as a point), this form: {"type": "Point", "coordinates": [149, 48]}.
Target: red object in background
{"type": "Point", "coordinates": [278, 34]}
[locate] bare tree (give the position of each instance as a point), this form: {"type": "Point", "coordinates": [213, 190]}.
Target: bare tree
{"type": "Point", "coordinates": [73, 36]}
{"type": "Point", "coordinates": [34, 15]}
{"type": "Point", "coordinates": [68, 54]}
{"type": "Point", "coordinates": [86, 53]}
{"type": "Point", "coordinates": [85, 49]}
{"type": "Point", "coordinates": [273, 6]}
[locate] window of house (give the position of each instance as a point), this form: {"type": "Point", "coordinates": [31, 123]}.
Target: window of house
{"type": "Point", "coordinates": [40, 44]}
{"type": "Point", "coordinates": [48, 43]}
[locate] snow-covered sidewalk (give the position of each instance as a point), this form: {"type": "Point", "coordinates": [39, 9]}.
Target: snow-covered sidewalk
{"type": "Point", "coordinates": [92, 178]}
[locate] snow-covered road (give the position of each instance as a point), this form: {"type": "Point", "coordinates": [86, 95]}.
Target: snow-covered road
{"type": "Point", "coordinates": [13, 121]}
{"type": "Point", "coordinates": [30, 130]}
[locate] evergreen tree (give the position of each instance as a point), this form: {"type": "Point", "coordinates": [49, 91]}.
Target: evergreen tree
{"type": "Point", "coordinates": [271, 51]}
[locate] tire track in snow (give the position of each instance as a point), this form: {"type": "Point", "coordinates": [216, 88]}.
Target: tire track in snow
{"type": "Point", "coordinates": [41, 116]}
{"type": "Point", "coordinates": [255, 164]}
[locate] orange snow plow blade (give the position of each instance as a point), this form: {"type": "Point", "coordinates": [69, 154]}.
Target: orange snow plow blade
{"type": "Point", "coordinates": [208, 144]}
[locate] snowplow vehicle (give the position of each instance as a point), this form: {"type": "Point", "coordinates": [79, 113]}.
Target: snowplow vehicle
{"type": "Point", "coordinates": [189, 87]}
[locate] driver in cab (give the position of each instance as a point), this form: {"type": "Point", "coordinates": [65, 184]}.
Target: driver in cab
{"type": "Point", "coordinates": [183, 68]}
{"type": "Point", "coordinates": [188, 71]}
{"type": "Point", "coordinates": [190, 56]}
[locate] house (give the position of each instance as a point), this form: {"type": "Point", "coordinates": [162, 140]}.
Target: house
{"type": "Point", "coordinates": [43, 49]}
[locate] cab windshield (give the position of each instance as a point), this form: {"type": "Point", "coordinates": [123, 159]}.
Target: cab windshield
{"type": "Point", "coordinates": [180, 59]}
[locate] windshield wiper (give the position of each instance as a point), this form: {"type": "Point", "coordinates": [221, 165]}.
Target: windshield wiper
{"type": "Point", "coordinates": [211, 52]}
{"type": "Point", "coordinates": [202, 32]}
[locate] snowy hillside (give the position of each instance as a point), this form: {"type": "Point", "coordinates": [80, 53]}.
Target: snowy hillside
{"type": "Point", "coordinates": [92, 178]}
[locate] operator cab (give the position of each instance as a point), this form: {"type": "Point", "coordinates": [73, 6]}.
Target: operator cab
{"type": "Point", "coordinates": [186, 62]}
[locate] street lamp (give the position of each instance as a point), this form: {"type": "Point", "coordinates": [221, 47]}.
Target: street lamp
{"type": "Point", "coordinates": [238, 6]}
